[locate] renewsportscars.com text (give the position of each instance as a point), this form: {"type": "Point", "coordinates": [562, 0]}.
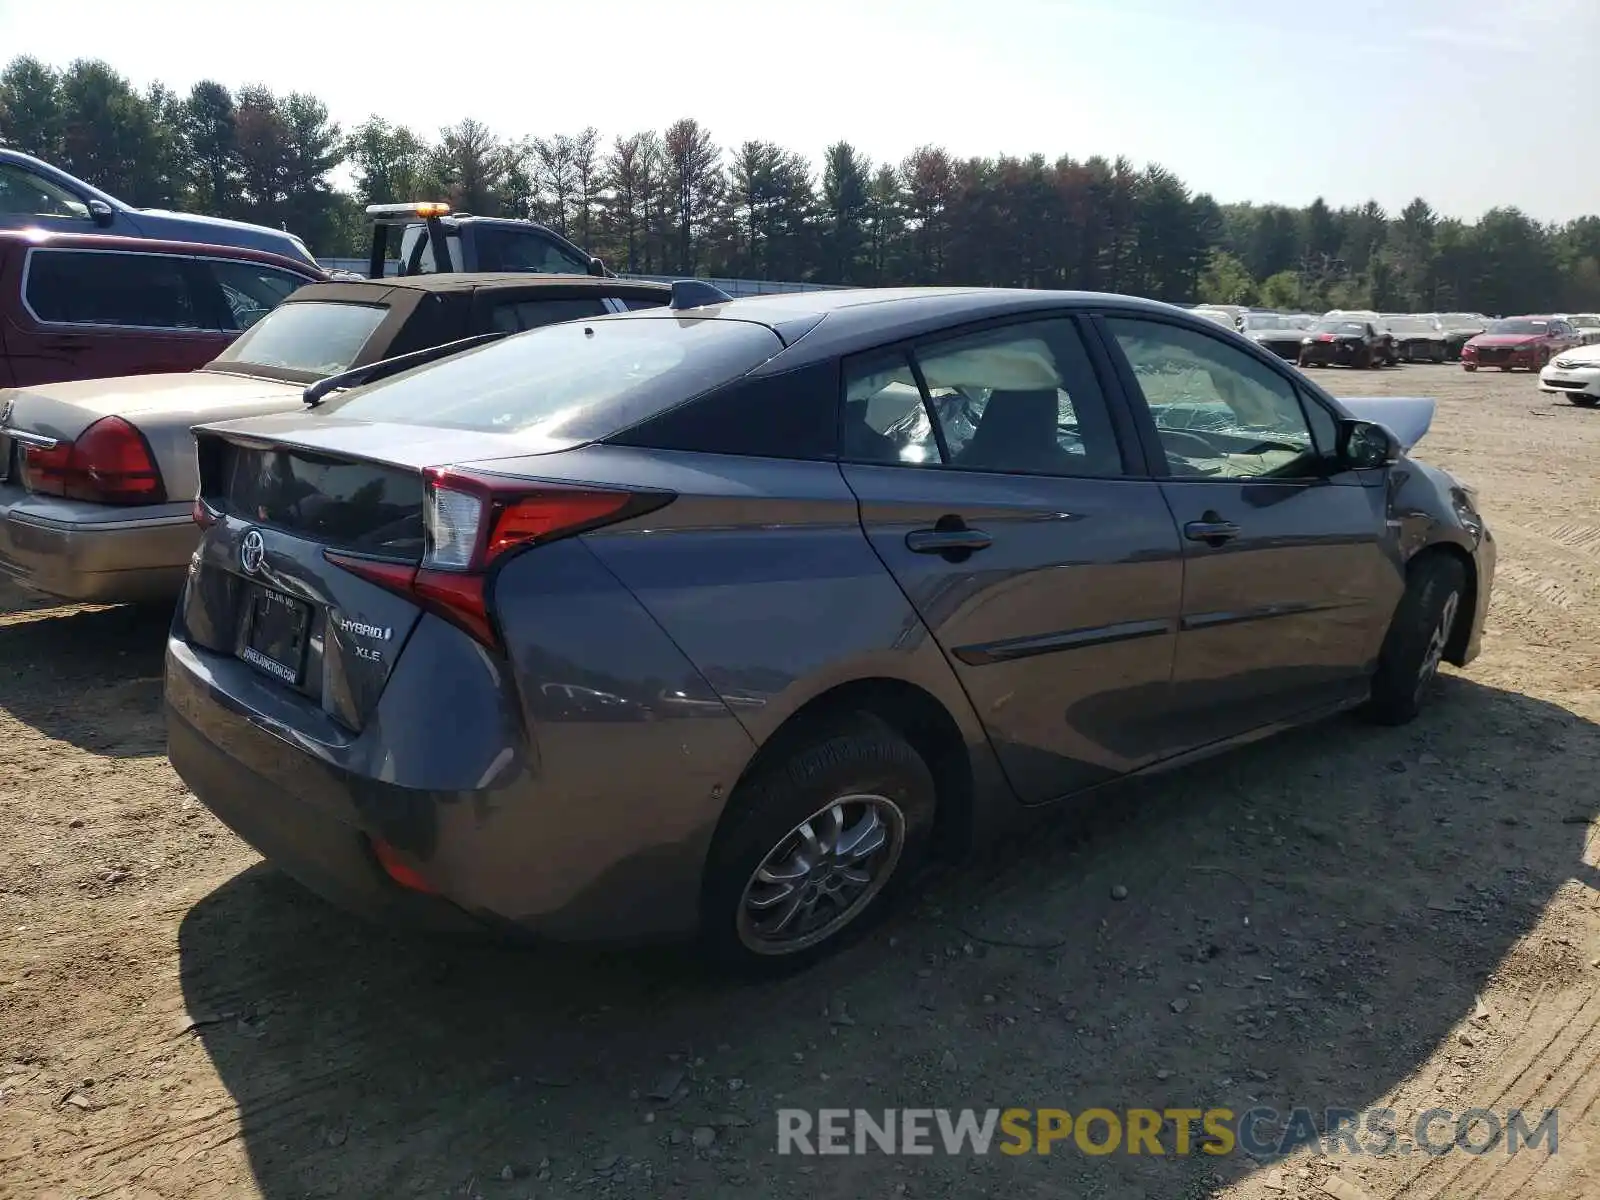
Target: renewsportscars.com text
{"type": "Point", "coordinates": [1262, 1133]}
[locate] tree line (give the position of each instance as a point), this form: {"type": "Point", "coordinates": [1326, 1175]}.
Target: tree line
{"type": "Point", "coordinates": [673, 201]}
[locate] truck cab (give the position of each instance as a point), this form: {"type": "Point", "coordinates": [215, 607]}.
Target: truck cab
{"type": "Point", "coordinates": [433, 240]}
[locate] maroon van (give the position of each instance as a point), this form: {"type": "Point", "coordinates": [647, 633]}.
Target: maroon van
{"type": "Point", "coordinates": [86, 306]}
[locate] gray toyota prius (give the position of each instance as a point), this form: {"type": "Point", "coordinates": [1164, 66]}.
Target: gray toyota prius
{"type": "Point", "coordinates": [718, 620]}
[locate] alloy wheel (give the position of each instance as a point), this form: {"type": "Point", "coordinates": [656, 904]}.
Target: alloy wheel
{"type": "Point", "coordinates": [822, 874]}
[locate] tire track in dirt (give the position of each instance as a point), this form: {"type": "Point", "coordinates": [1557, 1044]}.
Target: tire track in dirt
{"type": "Point", "coordinates": [1557, 1070]}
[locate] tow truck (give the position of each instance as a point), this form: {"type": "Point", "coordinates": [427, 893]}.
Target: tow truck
{"type": "Point", "coordinates": [435, 240]}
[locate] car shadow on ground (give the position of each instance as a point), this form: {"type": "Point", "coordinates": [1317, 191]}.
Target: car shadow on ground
{"type": "Point", "coordinates": [90, 677]}
{"type": "Point", "coordinates": [1304, 922]}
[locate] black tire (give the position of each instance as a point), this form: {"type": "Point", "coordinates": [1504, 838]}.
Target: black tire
{"type": "Point", "coordinates": [1582, 400]}
{"type": "Point", "coordinates": [867, 759]}
{"type": "Point", "coordinates": [1363, 359]}
{"type": "Point", "coordinates": [1414, 645]}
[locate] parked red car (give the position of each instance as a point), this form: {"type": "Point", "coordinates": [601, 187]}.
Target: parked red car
{"type": "Point", "coordinates": [86, 306]}
{"type": "Point", "coordinates": [1509, 342]}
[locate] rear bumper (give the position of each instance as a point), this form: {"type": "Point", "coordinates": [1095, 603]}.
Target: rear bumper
{"type": "Point", "coordinates": [332, 859]}
{"type": "Point", "coordinates": [574, 826]}
{"type": "Point", "coordinates": [94, 552]}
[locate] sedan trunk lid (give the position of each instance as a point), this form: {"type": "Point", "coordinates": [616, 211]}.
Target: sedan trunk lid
{"type": "Point", "coordinates": [163, 408]}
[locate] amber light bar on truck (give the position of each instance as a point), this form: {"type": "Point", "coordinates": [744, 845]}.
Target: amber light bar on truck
{"type": "Point", "coordinates": [423, 209]}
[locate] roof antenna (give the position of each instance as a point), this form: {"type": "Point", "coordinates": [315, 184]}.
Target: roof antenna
{"type": "Point", "coordinates": [696, 293]}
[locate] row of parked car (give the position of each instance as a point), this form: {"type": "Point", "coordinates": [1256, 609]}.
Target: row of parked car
{"type": "Point", "coordinates": [595, 608]}
{"type": "Point", "coordinates": [1373, 339]}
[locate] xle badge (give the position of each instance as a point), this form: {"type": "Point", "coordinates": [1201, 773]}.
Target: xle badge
{"type": "Point", "coordinates": [360, 629]}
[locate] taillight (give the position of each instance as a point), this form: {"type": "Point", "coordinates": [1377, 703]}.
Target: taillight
{"type": "Point", "coordinates": [471, 521]}
{"type": "Point", "coordinates": [110, 463]}
{"type": "Point", "coordinates": [398, 869]}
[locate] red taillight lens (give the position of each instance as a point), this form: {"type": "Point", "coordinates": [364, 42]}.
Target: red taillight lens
{"type": "Point", "coordinates": [110, 463]}
{"type": "Point", "coordinates": [397, 869]}
{"type": "Point", "coordinates": [1328, 337]}
{"type": "Point", "coordinates": [473, 520]}
{"type": "Point", "coordinates": [540, 516]}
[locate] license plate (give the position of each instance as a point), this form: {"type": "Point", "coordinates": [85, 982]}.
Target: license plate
{"type": "Point", "coordinates": [275, 640]}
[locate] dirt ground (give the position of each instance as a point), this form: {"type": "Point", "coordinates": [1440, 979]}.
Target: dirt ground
{"type": "Point", "coordinates": [1344, 916]}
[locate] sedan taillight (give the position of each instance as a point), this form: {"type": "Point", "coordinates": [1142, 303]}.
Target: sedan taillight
{"type": "Point", "coordinates": [109, 463]}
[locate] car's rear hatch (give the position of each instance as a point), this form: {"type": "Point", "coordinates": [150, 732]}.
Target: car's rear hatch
{"type": "Point", "coordinates": [333, 529]}
{"type": "Point", "coordinates": [300, 526]}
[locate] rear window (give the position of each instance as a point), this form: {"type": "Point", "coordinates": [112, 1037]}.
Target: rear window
{"type": "Point", "coordinates": [583, 380]}
{"type": "Point", "coordinates": [513, 249]}
{"type": "Point", "coordinates": [315, 336]}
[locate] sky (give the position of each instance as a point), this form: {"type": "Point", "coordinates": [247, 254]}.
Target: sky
{"type": "Point", "coordinates": [1470, 104]}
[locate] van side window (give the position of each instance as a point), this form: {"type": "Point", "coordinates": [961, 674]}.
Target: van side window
{"type": "Point", "coordinates": [98, 287]}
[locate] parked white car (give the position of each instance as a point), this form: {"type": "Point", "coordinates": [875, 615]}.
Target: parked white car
{"type": "Point", "coordinates": [1586, 326]}
{"type": "Point", "coordinates": [1574, 374]}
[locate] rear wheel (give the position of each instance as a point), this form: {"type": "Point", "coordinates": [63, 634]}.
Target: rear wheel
{"type": "Point", "coordinates": [1469, 366]}
{"type": "Point", "coordinates": [1414, 646]}
{"type": "Point", "coordinates": [818, 845]}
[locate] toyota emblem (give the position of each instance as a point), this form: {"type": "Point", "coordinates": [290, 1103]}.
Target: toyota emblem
{"type": "Point", "coordinates": [251, 551]}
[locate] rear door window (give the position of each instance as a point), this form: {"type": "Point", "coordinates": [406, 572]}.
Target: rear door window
{"type": "Point", "coordinates": [96, 287]}
{"type": "Point", "coordinates": [1017, 398]}
{"type": "Point", "coordinates": [250, 290]}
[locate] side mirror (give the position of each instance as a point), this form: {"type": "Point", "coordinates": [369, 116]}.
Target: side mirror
{"type": "Point", "coordinates": [101, 213]}
{"type": "Point", "coordinates": [597, 268]}
{"type": "Point", "coordinates": [1364, 445]}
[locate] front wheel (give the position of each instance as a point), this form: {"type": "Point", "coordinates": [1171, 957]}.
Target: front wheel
{"type": "Point", "coordinates": [816, 846]}
{"type": "Point", "coordinates": [1415, 644]}
{"type": "Point", "coordinates": [1582, 400]}
{"type": "Point", "coordinates": [1469, 366]}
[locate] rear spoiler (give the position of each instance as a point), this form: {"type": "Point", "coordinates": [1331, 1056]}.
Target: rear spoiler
{"type": "Point", "coordinates": [314, 394]}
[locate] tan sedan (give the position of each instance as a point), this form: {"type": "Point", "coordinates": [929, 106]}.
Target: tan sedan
{"type": "Point", "coordinates": [98, 478]}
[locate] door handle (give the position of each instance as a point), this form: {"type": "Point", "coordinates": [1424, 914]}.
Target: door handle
{"type": "Point", "coordinates": [1211, 529]}
{"type": "Point", "coordinates": [66, 343]}
{"type": "Point", "coordinates": [947, 541]}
